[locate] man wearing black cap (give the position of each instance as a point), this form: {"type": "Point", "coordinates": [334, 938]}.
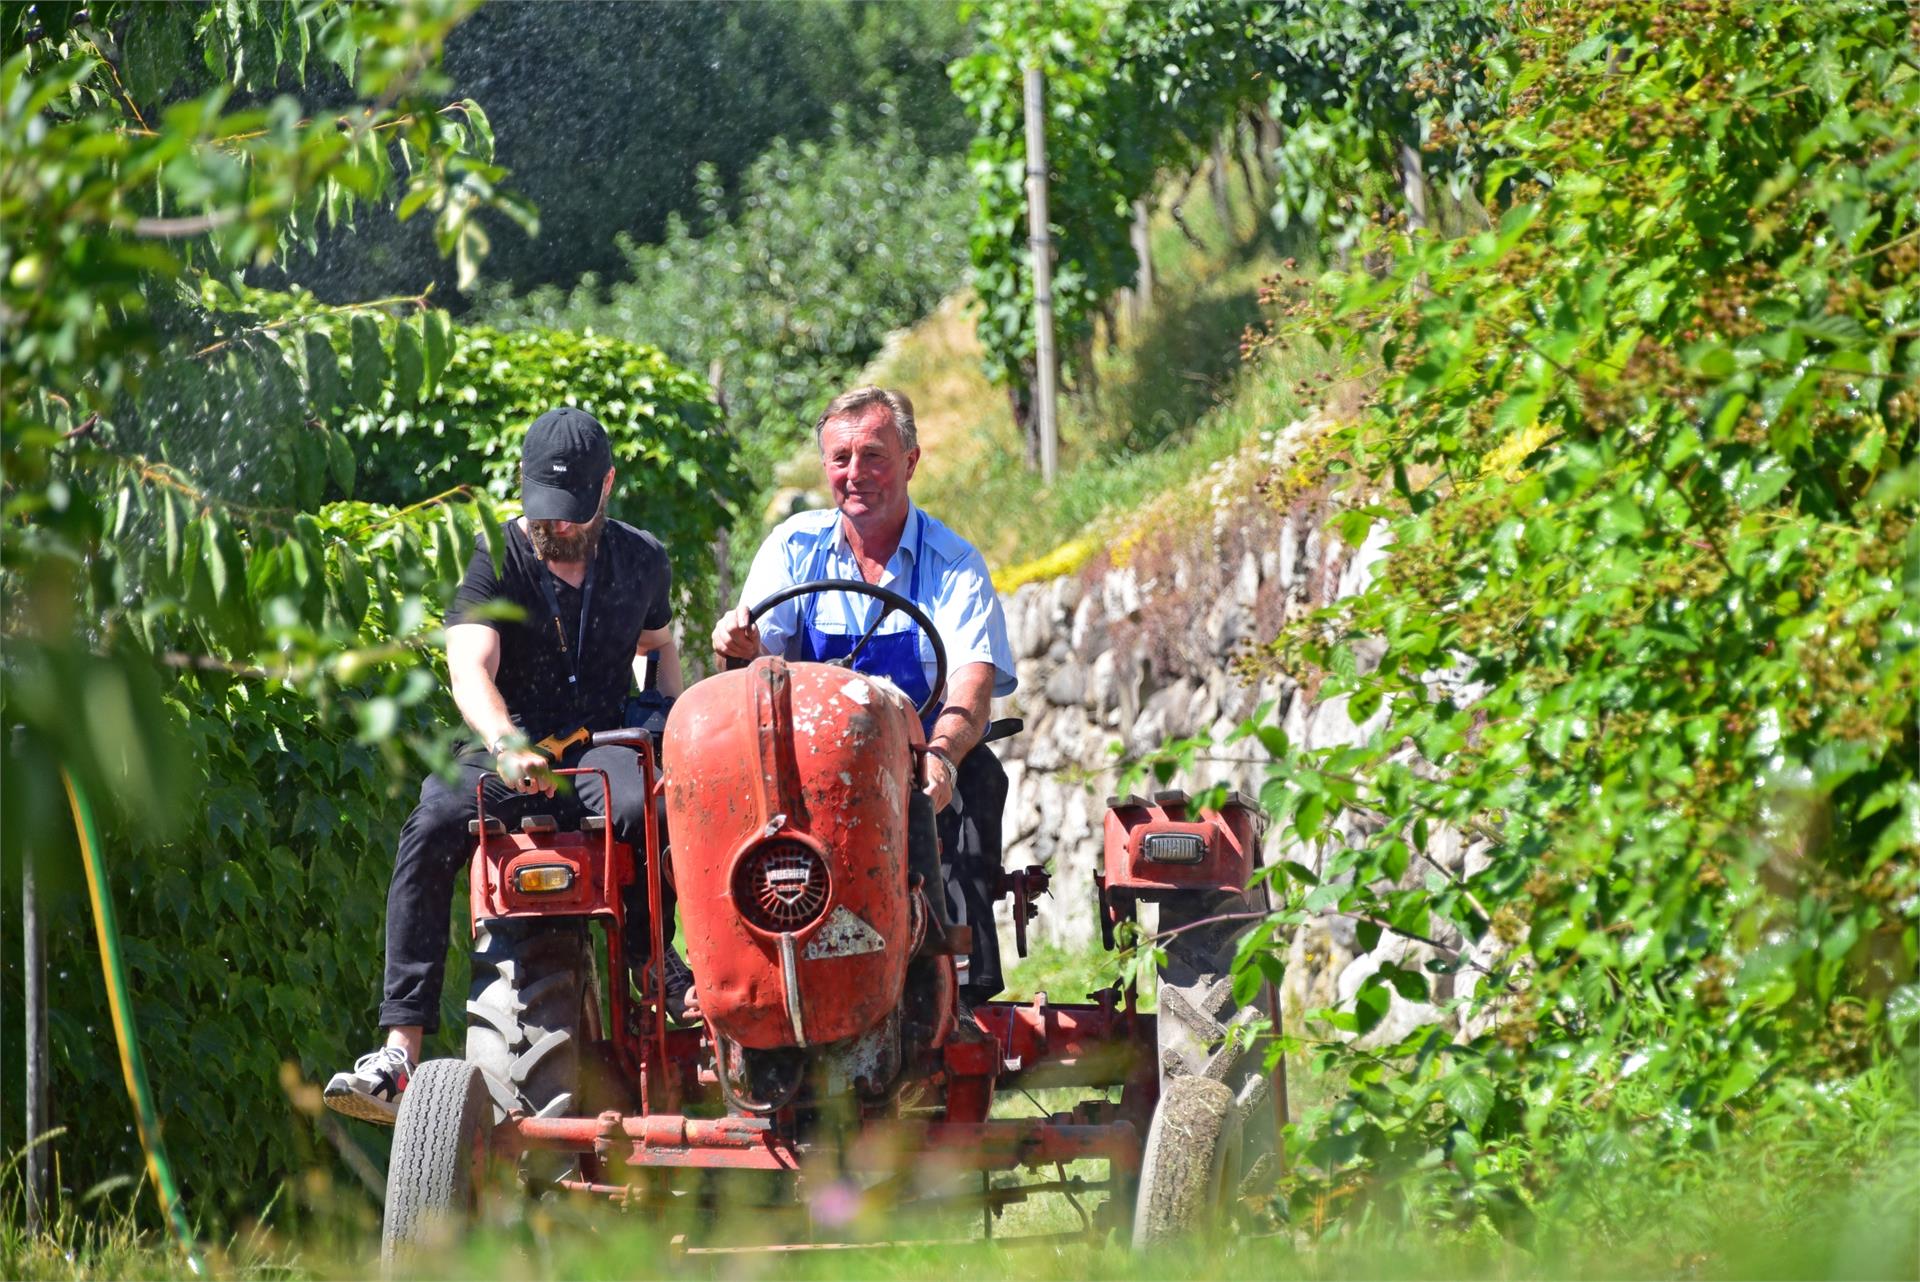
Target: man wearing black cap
{"type": "Point", "coordinates": [588, 600]}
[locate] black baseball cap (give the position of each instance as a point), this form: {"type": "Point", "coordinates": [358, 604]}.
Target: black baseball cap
{"type": "Point", "coordinates": [563, 464]}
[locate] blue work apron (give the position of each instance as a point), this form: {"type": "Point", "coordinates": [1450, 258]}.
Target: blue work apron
{"type": "Point", "coordinates": [893, 655]}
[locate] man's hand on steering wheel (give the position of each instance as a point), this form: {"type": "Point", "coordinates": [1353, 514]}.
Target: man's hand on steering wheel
{"type": "Point", "coordinates": [735, 637]}
{"type": "Point", "coordinates": [889, 601]}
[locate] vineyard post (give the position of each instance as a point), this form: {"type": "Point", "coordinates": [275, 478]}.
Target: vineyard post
{"type": "Point", "coordinates": [1142, 297]}
{"type": "Point", "coordinates": [722, 540]}
{"type": "Point", "coordinates": [36, 1030]}
{"type": "Point", "coordinates": [1040, 241]}
{"type": "Point", "coordinates": [1413, 185]}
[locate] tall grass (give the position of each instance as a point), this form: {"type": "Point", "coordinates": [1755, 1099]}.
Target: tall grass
{"type": "Point", "coordinates": [1819, 1184]}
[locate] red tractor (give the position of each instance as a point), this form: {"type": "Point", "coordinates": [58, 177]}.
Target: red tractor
{"type": "Point", "coordinates": [831, 1047]}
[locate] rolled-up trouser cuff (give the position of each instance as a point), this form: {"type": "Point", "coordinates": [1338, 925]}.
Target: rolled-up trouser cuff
{"type": "Point", "coordinates": [402, 1016]}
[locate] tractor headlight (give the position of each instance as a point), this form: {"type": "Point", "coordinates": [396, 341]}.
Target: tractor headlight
{"type": "Point", "coordinates": [1173, 848]}
{"type": "Point", "coordinates": [542, 879]}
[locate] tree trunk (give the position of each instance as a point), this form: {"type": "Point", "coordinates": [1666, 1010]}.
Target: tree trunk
{"type": "Point", "coordinates": [1179, 217]}
{"type": "Point", "coordinates": [1269, 135]}
{"type": "Point", "coordinates": [1246, 173]}
{"type": "Point", "coordinates": [1217, 188]}
{"type": "Point", "coordinates": [1020, 401]}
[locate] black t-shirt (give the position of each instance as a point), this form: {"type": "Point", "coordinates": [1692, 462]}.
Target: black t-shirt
{"type": "Point", "coordinates": [630, 579]}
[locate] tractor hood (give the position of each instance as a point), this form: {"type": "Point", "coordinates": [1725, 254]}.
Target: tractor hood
{"type": "Point", "coordinates": [787, 789]}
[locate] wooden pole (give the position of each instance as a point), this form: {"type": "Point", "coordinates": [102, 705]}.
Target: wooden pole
{"type": "Point", "coordinates": [1413, 185]}
{"type": "Point", "coordinates": [1143, 252]}
{"type": "Point", "coordinates": [36, 1012]}
{"type": "Point", "coordinates": [1040, 243]}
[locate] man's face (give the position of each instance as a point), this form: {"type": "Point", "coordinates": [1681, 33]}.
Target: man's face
{"type": "Point", "coordinates": [867, 469]}
{"type": "Point", "coordinates": [567, 541]}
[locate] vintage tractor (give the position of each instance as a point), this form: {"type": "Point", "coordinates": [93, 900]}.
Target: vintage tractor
{"type": "Point", "coordinates": [832, 1048]}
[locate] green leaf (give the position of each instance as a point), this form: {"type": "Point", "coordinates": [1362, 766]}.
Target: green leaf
{"type": "Point", "coordinates": [409, 363]}
{"type": "Point", "coordinates": [1469, 1095]}
{"type": "Point", "coordinates": [1370, 1005]}
{"type": "Point", "coordinates": [439, 345]}
{"type": "Point", "coordinates": [325, 389]}
{"type": "Point", "coordinates": [369, 360]}
{"type": "Point", "coordinates": [340, 462]}
{"type": "Point", "coordinates": [170, 520]}
{"type": "Point", "coordinates": [220, 569]}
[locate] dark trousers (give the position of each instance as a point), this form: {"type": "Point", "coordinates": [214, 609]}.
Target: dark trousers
{"type": "Point", "coordinates": [970, 864]}
{"type": "Point", "coordinates": [435, 845]}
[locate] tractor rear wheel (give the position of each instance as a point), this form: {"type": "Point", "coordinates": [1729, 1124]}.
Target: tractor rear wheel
{"type": "Point", "coordinates": [438, 1159]}
{"type": "Point", "coordinates": [1190, 1167]}
{"type": "Point", "coordinates": [530, 983]}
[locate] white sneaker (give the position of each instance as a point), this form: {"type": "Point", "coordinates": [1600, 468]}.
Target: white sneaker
{"type": "Point", "coordinates": [372, 1090]}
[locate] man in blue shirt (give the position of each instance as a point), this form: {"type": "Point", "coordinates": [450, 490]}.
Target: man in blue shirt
{"type": "Point", "coordinates": [869, 451]}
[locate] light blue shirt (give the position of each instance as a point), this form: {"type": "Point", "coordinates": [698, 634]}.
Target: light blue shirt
{"type": "Point", "coordinates": [955, 591]}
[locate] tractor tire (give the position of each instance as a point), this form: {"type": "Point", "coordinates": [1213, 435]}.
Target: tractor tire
{"type": "Point", "coordinates": [435, 1168]}
{"type": "Point", "coordinates": [524, 1014]}
{"type": "Point", "coordinates": [1196, 1014]}
{"type": "Point", "coordinates": [1192, 1155]}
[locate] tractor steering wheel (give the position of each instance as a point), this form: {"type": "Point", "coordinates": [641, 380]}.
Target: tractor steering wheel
{"type": "Point", "coordinates": [889, 601]}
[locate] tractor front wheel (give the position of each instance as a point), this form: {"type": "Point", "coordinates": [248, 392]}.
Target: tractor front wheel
{"type": "Point", "coordinates": [438, 1160]}
{"type": "Point", "coordinates": [1191, 1166]}
{"type": "Point", "coordinates": [1202, 1037]}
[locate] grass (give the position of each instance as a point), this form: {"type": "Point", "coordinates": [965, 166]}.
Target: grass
{"type": "Point", "coordinates": [1823, 1182]}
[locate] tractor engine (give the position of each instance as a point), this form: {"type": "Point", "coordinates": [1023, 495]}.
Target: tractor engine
{"type": "Point", "coordinates": [787, 801]}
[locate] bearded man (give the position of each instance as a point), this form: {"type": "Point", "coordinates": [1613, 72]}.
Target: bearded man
{"type": "Point", "coordinates": [541, 652]}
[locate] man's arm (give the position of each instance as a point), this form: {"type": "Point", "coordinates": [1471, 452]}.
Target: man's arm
{"type": "Point", "coordinates": [733, 637]}
{"type": "Point", "coordinates": [958, 730]}
{"type": "Point", "coordinates": [660, 641]}
{"type": "Point", "coordinates": [473, 661]}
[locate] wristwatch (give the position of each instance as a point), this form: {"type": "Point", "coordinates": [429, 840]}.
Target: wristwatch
{"type": "Point", "coordinates": [945, 756]}
{"type": "Point", "coordinates": [507, 741]}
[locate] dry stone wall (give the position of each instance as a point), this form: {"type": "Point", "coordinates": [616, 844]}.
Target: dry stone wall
{"type": "Point", "coordinates": [1117, 659]}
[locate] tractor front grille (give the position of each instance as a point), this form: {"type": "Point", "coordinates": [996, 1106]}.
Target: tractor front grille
{"type": "Point", "coordinates": [781, 886]}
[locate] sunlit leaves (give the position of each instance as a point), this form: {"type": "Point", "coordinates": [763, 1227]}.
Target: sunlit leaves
{"type": "Point", "coordinates": [1648, 460]}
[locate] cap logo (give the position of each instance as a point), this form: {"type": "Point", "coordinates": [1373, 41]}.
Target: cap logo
{"type": "Point", "coordinates": [559, 467]}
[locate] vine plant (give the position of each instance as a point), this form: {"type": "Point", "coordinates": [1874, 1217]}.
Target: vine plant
{"type": "Point", "coordinates": [1648, 628]}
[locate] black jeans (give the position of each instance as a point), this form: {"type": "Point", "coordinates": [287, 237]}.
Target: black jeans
{"type": "Point", "coordinates": [435, 845]}
{"type": "Point", "coordinates": [970, 864]}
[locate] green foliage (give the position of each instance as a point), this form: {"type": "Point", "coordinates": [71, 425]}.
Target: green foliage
{"type": "Point", "coordinates": [607, 113]}
{"type": "Point", "coordinates": [1645, 463]}
{"type": "Point", "coordinates": [1101, 155]}
{"type": "Point", "coordinates": [251, 916]}
{"type": "Point", "coordinates": [234, 666]}
{"type": "Point", "coordinates": [1137, 90]}
{"type": "Point", "coordinates": [113, 228]}
{"type": "Point", "coordinates": [833, 246]}
{"type": "Point", "coordinates": [1174, 402]}
{"type": "Point", "coordinates": [676, 473]}
{"type": "Point", "coordinates": [1362, 91]}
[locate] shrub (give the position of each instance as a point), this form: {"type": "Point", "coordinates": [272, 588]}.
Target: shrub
{"type": "Point", "coordinates": [676, 474]}
{"type": "Point", "coordinates": [1646, 452]}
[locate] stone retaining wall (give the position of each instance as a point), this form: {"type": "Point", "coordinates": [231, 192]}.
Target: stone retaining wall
{"type": "Point", "coordinates": [1121, 658]}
